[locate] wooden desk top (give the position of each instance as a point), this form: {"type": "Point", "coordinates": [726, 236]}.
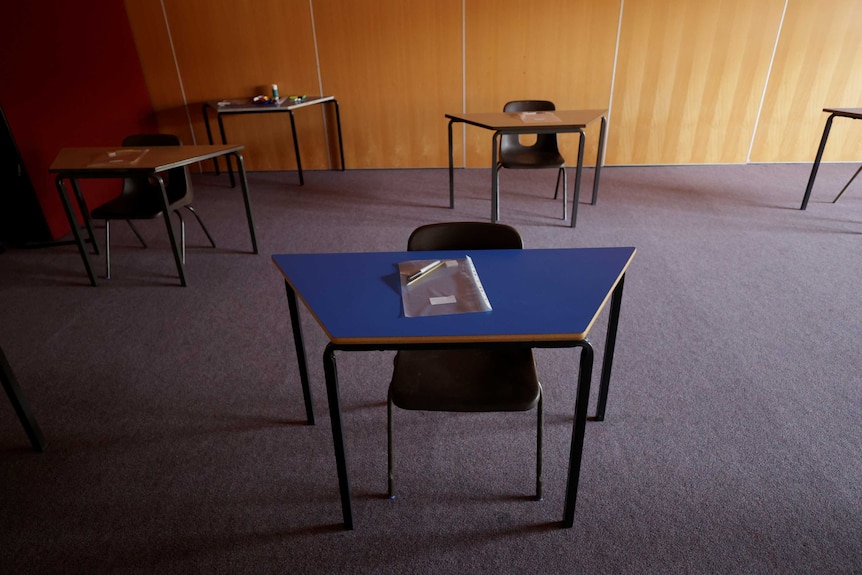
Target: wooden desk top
{"type": "Point", "coordinates": [156, 159]}
{"type": "Point", "coordinates": [543, 295]}
{"type": "Point", "coordinates": [855, 113]}
{"type": "Point", "coordinates": [245, 105]}
{"type": "Point", "coordinates": [513, 121]}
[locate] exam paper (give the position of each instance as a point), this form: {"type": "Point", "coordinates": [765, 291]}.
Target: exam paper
{"type": "Point", "coordinates": [450, 288]}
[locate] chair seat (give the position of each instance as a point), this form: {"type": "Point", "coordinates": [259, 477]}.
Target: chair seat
{"type": "Point", "coordinates": [529, 158]}
{"type": "Point", "coordinates": [465, 380]}
{"type": "Point", "coordinates": [140, 206]}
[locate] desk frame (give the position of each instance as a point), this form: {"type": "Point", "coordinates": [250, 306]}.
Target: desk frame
{"type": "Point", "coordinates": [853, 114]}
{"type": "Point", "coordinates": [585, 371]}
{"type": "Point", "coordinates": [20, 404]}
{"type": "Point", "coordinates": [497, 123]}
{"type": "Point", "coordinates": [238, 109]}
{"type": "Point", "coordinates": [187, 155]}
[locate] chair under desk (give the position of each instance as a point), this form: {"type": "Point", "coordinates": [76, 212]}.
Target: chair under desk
{"type": "Point", "coordinates": [558, 121]}
{"type": "Point", "coordinates": [74, 164]}
{"type": "Point", "coordinates": [542, 298]}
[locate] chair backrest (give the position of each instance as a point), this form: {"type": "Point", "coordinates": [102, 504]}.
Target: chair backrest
{"type": "Point", "coordinates": [544, 142]}
{"type": "Point", "coordinates": [177, 181]}
{"type": "Point", "coordinates": [464, 236]}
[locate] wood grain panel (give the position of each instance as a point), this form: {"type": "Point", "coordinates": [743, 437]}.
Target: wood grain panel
{"type": "Point", "coordinates": [396, 69]}
{"type": "Point", "coordinates": [689, 79]}
{"type": "Point", "coordinates": [154, 50]}
{"type": "Point", "coordinates": [228, 49]}
{"type": "Point", "coordinates": [563, 52]}
{"type": "Point", "coordinates": [818, 64]}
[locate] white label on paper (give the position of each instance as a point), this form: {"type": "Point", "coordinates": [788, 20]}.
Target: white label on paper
{"type": "Point", "coordinates": [442, 299]}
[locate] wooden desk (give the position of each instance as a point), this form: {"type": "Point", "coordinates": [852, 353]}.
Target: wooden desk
{"type": "Point", "coordinates": [246, 106]}
{"type": "Point", "coordinates": [511, 123]}
{"type": "Point", "coordinates": [540, 298]}
{"type": "Point", "coordinates": [82, 163]}
{"type": "Point", "coordinates": [853, 114]}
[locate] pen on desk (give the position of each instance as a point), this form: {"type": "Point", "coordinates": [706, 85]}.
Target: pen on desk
{"type": "Point", "coordinates": [424, 271]}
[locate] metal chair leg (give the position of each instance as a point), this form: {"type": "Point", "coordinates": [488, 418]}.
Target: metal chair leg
{"type": "Point", "coordinates": [497, 175]}
{"type": "Point", "coordinates": [565, 190]}
{"type": "Point", "coordinates": [108, 249]}
{"type": "Point", "coordinates": [539, 437]}
{"type": "Point", "coordinates": [203, 227]}
{"type": "Point", "coordinates": [557, 187]}
{"type": "Point", "coordinates": [391, 475]}
{"type": "Point", "coordinates": [182, 237]}
{"type": "Point", "coordinates": [137, 233]}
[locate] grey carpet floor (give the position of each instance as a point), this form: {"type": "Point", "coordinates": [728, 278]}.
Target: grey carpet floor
{"type": "Point", "coordinates": [733, 437]}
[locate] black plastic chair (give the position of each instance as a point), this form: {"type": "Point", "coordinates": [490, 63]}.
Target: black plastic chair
{"type": "Point", "coordinates": [140, 198]}
{"type": "Point", "coordinates": [465, 380]}
{"type": "Point", "coordinates": [542, 154]}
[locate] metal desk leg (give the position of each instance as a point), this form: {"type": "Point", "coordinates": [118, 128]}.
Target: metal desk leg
{"type": "Point", "coordinates": [578, 173]}
{"type": "Point", "coordinates": [338, 124]}
{"type": "Point", "coordinates": [19, 403]}
{"type": "Point", "coordinates": [296, 147]}
{"type": "Point", "coordinates": [224, 141]}
{"type": "Point", "coordinates": [298, 342]}
{"type": "Point", "coordinates": [610, 344]}
{"type": "Point", "coordinates": [578, 430]}
{"type": "Point", "coordinates": [451, 171]}
{"type": "Point", "coordinates": [495, 191]}
{"type": "Point", "coordinates": [243, 181]}
{"type": "Point", "coordinates": [85, 214]}
{"type": "Point", "coordinates": [847, 185]}
{"type": "Point", "coordinates": [600, 159]}
{"type": "Point", "coordinates": [166, 213]}
{"type": "Point", "coordinates": [205, 112]}
{"type": "Point", "coordinates": [817, 159]}
{"type": "Point", "coordinates": [73, 222]}
{"type": "Point", "coordinates": [331, 373]}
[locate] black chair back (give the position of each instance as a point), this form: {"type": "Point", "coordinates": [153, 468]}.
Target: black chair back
{"type": "Point", "coordinates": [464, 236]}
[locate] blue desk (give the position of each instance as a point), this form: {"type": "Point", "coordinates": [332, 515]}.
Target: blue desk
{"type": "Point", "coordinates": [540, 298]}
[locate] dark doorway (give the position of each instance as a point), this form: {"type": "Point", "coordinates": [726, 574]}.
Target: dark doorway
{"type": "Point", "coordinates": [21, 218]}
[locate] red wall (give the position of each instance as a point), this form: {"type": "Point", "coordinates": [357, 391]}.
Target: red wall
{"type": "Point", "coordinates": [69, 76]}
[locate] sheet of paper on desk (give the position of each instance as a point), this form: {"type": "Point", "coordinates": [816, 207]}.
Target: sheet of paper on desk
{"type": "Point", "coordinates": [450, 288]}
{"type": "Point", "coordinates": [118, 158]}
{"type": "Point", "coordinates": [538, 117]}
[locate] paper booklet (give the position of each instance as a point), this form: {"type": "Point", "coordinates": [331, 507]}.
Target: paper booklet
{"type": "Point", "coordinates": [440, 287]}
{"type": "Point", "coordinates": [118, 158]}
{"type": "Point", "coordinates": [538, 117]}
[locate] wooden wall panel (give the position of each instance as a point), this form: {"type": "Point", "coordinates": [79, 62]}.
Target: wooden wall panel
{"type": "Point", "coordinates": [157, 60]}
{"type": "Point", "coordinates": [687, 84]}
{"type": "Point", "coordinates": [563, 52]}
{"type": "Point", "coordinates": [689, 80]}
{"type": "Point", "coordinates": [395, 67]}
{"type": "Point", "coordinates": [818, 64]}
{"type": "Point", "coordinates": [228, 49]}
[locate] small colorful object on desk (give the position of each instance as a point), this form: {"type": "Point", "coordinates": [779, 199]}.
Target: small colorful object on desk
{"type": "Point", "coordinates": [264, 100]}
{"type": "Point", "coordinates": [297, 99]}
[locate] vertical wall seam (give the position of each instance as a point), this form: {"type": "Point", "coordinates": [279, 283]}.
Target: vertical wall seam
{"type": "Point", "coordinates": [613, 77]}
{"type": "Point", "coordinates": [463, 81]}
{"type": "Point", "coordinates": [179, 75]}
{"type": "Point", "coordinates": [766, 83]}
{"type": "Point", "coordinates": [319, 81]}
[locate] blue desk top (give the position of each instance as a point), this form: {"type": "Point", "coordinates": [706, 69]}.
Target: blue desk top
{"type": "Point", "coordinates": [536, 295]}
